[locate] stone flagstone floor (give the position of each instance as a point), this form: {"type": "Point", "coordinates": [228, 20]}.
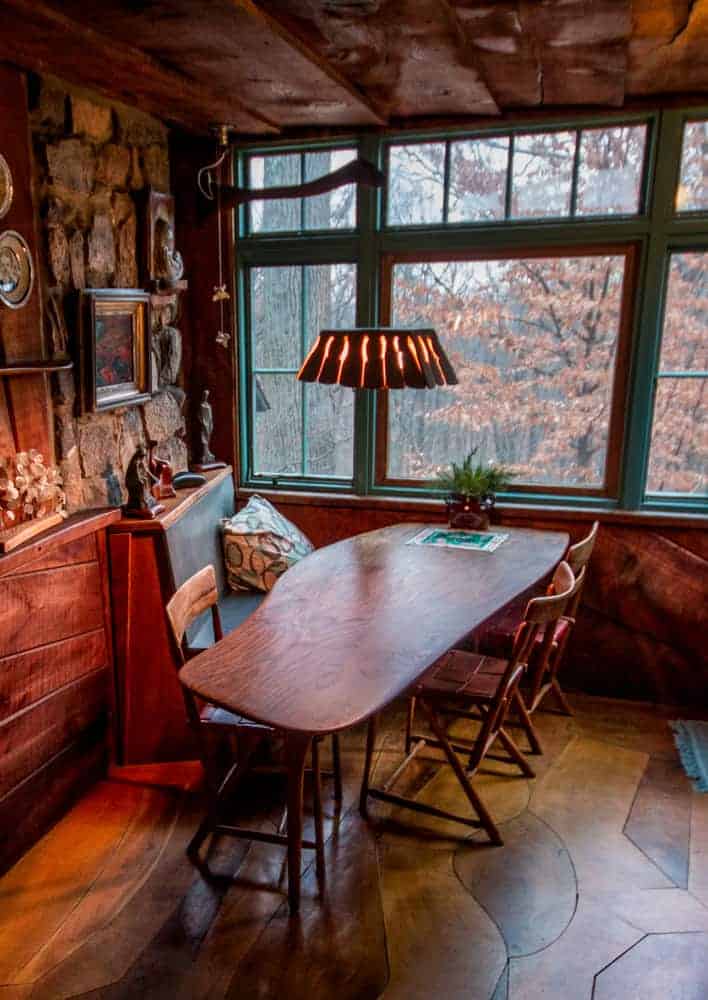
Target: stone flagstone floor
{"type": "Point", "coordinates": [601, 889]}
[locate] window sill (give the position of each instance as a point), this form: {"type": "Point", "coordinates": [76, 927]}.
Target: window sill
{"type": "Point", "coordinates": [510, 512]}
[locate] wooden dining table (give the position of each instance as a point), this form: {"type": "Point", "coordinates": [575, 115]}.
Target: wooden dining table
{"type": "Point", "coordinates": [354, 626]}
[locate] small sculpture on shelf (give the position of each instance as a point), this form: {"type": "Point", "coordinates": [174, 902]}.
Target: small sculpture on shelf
{"type": "Point", "coordinates": [163, 265]}
{"type": "Point", "coordinates": [166, 347]}
{"type": "Point", "coordinates": [162, 471]}
{"type": "Point", "coordinates": [139, 482]}
{"type": "Point", "coordinates": [207, 459]}
{"type": "Point", "coordinates": [170, 266]}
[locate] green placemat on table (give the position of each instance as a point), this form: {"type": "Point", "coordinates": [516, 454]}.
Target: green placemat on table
{"type": "Point", "coordinates": [476, 541]}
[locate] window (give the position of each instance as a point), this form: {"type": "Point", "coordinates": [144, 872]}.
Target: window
{"type": "Point", "coordinates": [678, 460]}
{"type": "Point", "coordinates": [299, 430]}
{"type": "Point", "coordinates": [534, 342]}
{"type": "Point", "coordinates": [334, 210]}
{"type": "Point", "coordinates": [564, 269]}
{"type": "Point", "coordinates": [520, 175]}
{"type": "Point", "coordinates": [416, 184]}
{"type": "Point", "coordinates": [692, 194]}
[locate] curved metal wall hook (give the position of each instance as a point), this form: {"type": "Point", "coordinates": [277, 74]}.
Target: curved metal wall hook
{"type": "Point", "coordinates": [207, 187]}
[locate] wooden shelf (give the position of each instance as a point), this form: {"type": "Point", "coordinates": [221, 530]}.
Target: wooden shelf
{"type": "Point", "coordinates": [175, 507]}
{"type": "Point", "coordinates": [75, 526]}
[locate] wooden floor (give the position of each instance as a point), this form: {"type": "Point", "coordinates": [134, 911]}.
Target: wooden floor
{"type": "Point", "coordinates": [601, 890]}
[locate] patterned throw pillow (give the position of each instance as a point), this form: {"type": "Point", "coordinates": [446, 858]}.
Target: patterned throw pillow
{"type": "Point", "coordinates": [259, 545]}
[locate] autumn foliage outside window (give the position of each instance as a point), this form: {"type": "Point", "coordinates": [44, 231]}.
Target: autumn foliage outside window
{"type": "Point", "coordinates": [526, 249]}
{"type": "Point", "coordinates": [678, 461]}
{"type": "Point", "coordinates": [533, 341]}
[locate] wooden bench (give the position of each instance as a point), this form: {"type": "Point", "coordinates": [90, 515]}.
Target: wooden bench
{"type": "Point", "coordinates": [150, 559]}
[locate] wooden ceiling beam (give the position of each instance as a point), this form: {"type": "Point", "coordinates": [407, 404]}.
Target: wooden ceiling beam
{"type": "Point", "coordinates": [506, 57]}
{"type": "Point", "coordinates": [407, 55]}
{"type": "Point", "coordinates": [294, 38]}
{"type": "Point", "coordinates": [668, 50]}
{"type": "Point", "coordinates": [39, 38]}
{"type": "Point", "coordinates": [491, 40]}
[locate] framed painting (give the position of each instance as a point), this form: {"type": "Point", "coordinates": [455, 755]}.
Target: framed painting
{"type": "Point", "coordinates": [115, 348]}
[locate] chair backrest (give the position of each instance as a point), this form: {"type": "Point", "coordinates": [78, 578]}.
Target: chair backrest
{"type": "Point", "coordinates": [578, 557]}
{"type": "Point", "coordinates": [192, 599]}
{"type": "Point", "coordinates": [541, 619]}
{"type": "Point", "coordinates": [541, 614]}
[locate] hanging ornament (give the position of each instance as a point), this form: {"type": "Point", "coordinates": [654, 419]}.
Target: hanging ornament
{"type": "Point", "coordinates": [205, 181]}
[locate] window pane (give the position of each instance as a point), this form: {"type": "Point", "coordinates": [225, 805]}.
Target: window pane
{"type": "Point", "coordinates": [415, 184]}
{"type": "Point", "coordinates": [275, 316]}
{"type": "Point", "coordinates": [684, 342]}
{"type": "Point", "coordinates": [533, 342]}
{"type": "Point", "coordinates": [678, 461]}
{"type": "Point", "coordinates": [478, 170]}
{"type": "Point", "coordinates": [335, 209]}
{"type": "Point", "coordinates": [279, 214]}
{"type": "Point", "coordinates": [277, 445]}
{"type": "Point", "coordinates": [330, 430]}
{"type": "Point", "coordinates": [610, 170]}
{"type": "Point", "coordinates": [692, 194]}
{"type": "Point", "coordinates": [542, 174]}
{"type": "Point", "coordinates": [290, 305]}
{"type": "Point", "coordinates": [331, 299]}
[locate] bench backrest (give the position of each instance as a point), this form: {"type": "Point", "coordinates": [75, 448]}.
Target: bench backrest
{"type": "Point", "coordinates": [194, 540]}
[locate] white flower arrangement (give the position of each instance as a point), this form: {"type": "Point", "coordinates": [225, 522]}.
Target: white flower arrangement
{"type": "Point", "coordinates": [29, 489]}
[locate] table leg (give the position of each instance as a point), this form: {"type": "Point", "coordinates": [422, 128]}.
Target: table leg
{"type": "Point", "coordinates": [370, 741]}
{"type": "Point", "coordinates": [296, 746]}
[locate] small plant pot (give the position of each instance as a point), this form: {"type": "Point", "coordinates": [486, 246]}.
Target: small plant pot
{"type": "Point", "coordinates": [469, 513]}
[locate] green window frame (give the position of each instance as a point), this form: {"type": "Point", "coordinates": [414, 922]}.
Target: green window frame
{"type": "Point", "coordinates": [653, 233]}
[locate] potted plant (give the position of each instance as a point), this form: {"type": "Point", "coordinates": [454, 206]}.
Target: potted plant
{"type": "Point", "coordinates": [471, 491]}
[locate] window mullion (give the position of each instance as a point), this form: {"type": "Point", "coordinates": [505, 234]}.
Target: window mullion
{"type": "Point", "coordinates": [574, 177]}
{"type": "Point", "coordinates": [369, 201]}
{"type": "Point", "coordinates": [446, 183]}
{"type": "Point", "coordinates": [304, 285]}
{"type": "Point", "coordinates": [509, 172]}
{"type": "Point", "coordinates": [650, 309]}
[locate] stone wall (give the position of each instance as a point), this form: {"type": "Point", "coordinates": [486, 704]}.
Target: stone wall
{"type": "Point", "coordinates": [93, 161]}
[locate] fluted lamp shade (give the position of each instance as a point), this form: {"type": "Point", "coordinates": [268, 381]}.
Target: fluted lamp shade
{"type": "Point", "coordinates": [378, 358]}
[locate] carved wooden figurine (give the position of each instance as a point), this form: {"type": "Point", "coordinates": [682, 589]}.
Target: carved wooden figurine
{"type": "Point", "coordinates": [207, 458]}
{"type": "Point", "coordinates": [169, 260]}
{"type": "Point", "coordinates": [139, 482]}
{"type": "Point", "coordinates": [166, 347]}
{"type": "Point", "coordinates": [162, 471]}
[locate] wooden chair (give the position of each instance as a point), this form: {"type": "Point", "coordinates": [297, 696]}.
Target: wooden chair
{"type": "Point", "coordinates": [213, 725]}
{"type": "Point", "coordinates": [497, 639]}
{"type": "Point", "coordinates": [471, 685]}
{"type": "Point", "coordinates": [544, 659]}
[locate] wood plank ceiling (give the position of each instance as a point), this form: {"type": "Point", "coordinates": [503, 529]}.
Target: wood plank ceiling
{"type": "Point", "coordinates": [270, 66]}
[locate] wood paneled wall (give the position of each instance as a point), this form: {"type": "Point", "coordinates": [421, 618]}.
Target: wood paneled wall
{"type": "Point", "coordinates": [207, 365]}
{"type": "Point", "coordinates": [25, 414]}
{"type": "Point", "coordinates": [643, 623]}
{"type": "Point", "coordinates": [55, 676]}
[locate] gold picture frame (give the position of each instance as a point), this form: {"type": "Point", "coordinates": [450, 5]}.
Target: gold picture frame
{"type": "Point", "coordinates": [115, 348]}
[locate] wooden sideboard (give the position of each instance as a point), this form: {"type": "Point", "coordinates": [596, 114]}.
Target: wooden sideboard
{"type": "Point", "coordinates": [55, 675]}
{"type": "Point", "coordinates": [149, 560]}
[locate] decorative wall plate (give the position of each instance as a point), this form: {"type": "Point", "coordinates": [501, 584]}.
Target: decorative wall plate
{"type": "Point", "coordinates": [6, 189]}
{"type": "Point", "coordinates": [16, 269]}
